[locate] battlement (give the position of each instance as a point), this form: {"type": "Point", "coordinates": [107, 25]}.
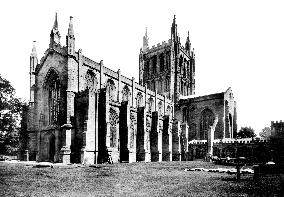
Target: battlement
{"type": "Point", "coordinates": [276, 122]}
{"type": "Point", "coordinates": [159, 46]}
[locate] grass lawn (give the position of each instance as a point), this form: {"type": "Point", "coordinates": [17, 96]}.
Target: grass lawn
{"type": "Point", "coordinates": [136, 179]}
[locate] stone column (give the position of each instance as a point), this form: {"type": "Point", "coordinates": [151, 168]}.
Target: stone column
{"type": "Point", "coordinates": [176, 149]}
{"type": "Point", "coordinates": [180, 138]}
{"type": "Point", "coordinates": [147, 147]}
{"type": "Point", "coordinates": [185, 139]}
{"type": "Point", "coordinates": [57, 150]}
{"type": "Point", "coordinates": [211, 138]}
{"type": "Point", "coordinates": [132, 131]}
{"type": "Point", "coordinates": [160, 137]}
{"type": "Point", "coordinates": [66, 143]}
{"type": "Point", "coordinates": [88, 156]}
{"type": "Point", "coordinates": [170, 140]}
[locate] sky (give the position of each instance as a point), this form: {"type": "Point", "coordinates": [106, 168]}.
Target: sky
{"type": "Point", "coordinates": [238, 44]}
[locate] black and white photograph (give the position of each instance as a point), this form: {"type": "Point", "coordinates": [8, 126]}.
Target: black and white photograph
{"type": "Point", "coordinates": [141, 98]}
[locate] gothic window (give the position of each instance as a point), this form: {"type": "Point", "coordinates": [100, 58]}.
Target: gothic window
{"type": "Point", "coordinates": [91, 81]}
{"type": "Point", "coordinates": [126, 93]}
{"type": "Point", "coordinates": [184, 114]}
{"type": "Point", "coordinates": [207, 120]}
{"type": "Point", "coordinates": [147, 70]}
{"type": "Point", "coordinates": [113, 118]}
{"type": "Point", "coordinates": [140, 100]}
{"type": "Point", "coordinates": [150, 105]}
{"type": "Point", "coordinates": [110, 89]}
{"type": "Point", "coordinates": [188, 69]}
{"type": "Point", "coordinates": [160, 108]}
{"type": "Point", "coordinates": [180, 64]}
{"type": "Point", "coordinates": [53, 90]}
{"type": "Point", "coordinates": [192, 134]}
{"type": "Point", "coordinates": [162, 63]}
{"type": "Point", "coordinates": [154, 64]}
{"type": "Point", "coordinates": [169, 110]}
{"type": "Point", "coordinates": [168, 60]}
{"type": "Point", "coordinates": [184, 70]}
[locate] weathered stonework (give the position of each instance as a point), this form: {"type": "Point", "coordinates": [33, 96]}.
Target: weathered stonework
{"type": "Point", "coordinates": [83, 112]}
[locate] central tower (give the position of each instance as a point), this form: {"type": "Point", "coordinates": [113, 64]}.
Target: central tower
{"type": "Point", "coordinates": [169, 67]}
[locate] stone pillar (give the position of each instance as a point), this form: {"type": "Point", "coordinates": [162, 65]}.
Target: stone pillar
{"type": "Point", "coordinates": [38, 145]}
{"type": "Point", "coordinates": [26, 155]}
{"type": "Point", "coordinates": [185, 140]}
{"type": "Point", "coordinates": [57, 150]}
{"type": "Point", "coordinates": [88, 156]}
{"type": "Point", "coordinates": [154, 137]}
{"type": "Point", "coordinates": [176, 149]}
{"type": "Point", "coordinates": [167, 143]}
{"type": "Point", "coordinates": [66, 143]}
{"type": "Point", "coordinates": [140, 136]}
{"type": "Point", "coordinates": [147, 123]}
{"type": "Point", "coordinates": [211, 138]}
{"type": "Point", "coordinates": [132, 131]}
{"type": "Point", "coordinates": [170, 140]}
{"type": "Point", "coordinates": [160, 137]}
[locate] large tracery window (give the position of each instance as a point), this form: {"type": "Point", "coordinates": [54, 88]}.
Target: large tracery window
{"type": "Point", "coordinates": [207, 120]}
{"type": "Point", "coordinates": [162, 62]}
{"type": "Point", "coordinates": [53, 90]}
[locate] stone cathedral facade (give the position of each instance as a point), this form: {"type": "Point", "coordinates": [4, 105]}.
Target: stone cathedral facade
{"type": "Point", "coordinates": [80, 111]}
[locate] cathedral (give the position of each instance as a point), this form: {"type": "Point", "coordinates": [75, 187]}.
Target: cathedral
{"type": "Point", "coordinates": [81, 111]}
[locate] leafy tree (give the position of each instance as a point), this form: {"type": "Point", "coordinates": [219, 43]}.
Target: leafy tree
{"type": "Point", "coordinates": [10, 116]}
{"type": "Point", "coordinates": [246, 132]}
{"type": "Point", "coordinates": [265, 133]}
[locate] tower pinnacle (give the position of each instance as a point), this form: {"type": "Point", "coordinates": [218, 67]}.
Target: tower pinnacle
{"type": "Point", "coordinates": [55, 25]}
{"type": "Point", "coordinates": [54, 35]}
{"type": "Point", "coordinates": [70, 28]}
{"type": "Point", "coordinates": [34, 49]}
{"type": "Point", "coordinates": [70, 38]}
{"type": "Point", "coordinates": [145, 41]}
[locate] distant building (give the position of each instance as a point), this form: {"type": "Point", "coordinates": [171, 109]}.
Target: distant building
{"type": "Point", "coordinates": [83, 112]}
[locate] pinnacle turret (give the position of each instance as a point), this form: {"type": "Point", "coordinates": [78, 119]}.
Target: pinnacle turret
{"type": "Point", "coordinates": [70, 28]}
{"type": "Point", "coordinates": [70, 38]}
{"type": "Point", "coordinates": [54, 35]}
{"type": "Point", "coordinates": [145, 41]}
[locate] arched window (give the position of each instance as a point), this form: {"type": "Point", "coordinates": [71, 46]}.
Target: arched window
{"type": "Point", "coordinates": [91, 81]}
{"type": "Point", "coordinates": [52, 86]}
{"type": "Point", "coordinates": [168, 60]}
{"type": "Point", "coordinates": [113, 127]}
{"type": "Point", "coordinates": [147, 70]}
{"type": "Point", "coordinates": [154, 64]}
{"type": "Point", "coordinates": [169, 110]}
{"type": "Point", "coordinates": [110, 88]}
{"type": "Point", "coordinates": [126, 93]}
{"type": "Point", "coordinates": [162, 62]}
{"type": "Point", "coordinates": [160, 108]}
{"type": "Point", "coordinates": [207, 120]}
{"type": "Point", "coordinates": [150, 104]}
{"type": "Point", "coordinates": [140, 100]}
{"type": "Point", "coordinates": [192, 134]}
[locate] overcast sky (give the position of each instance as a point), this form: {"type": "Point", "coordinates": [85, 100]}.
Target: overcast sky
{"type": "Point", "coordinates": [238, 44]}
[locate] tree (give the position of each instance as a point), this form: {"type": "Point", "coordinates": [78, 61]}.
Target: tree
{"type": "Point", "coordinates": [265, 133]}
{"type": "Point", "coordinates": [246, 132]}
{"type": "Point", "coordinates": [10, 116]}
